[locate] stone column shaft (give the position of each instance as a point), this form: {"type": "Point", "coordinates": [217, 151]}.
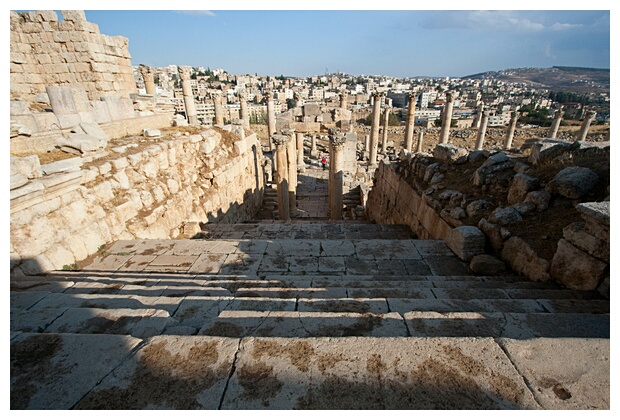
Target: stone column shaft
{"type": "Point", "coordinates": [271, 118]}
{"type": "Point", "coordinates": [514, 116]}
{"type": "Point", "coordinates": [410, 122]}
{"type": "Point", "coordinates": [444, 134]}
{"type": "Point", "coordinates": [336, 165]}
{"type": "Point", "coordinates": [555, 124]}
{"type": "Point", "coordinates": [281, 175]}
{"type": "Point", "coordinates": [386, 121]}
{"type": "Point", "coordinates": [420, 139]}
{"type": "Point", "coordinates": [313, 149]}
{"type": "Point", "coordinates": [343, 100]}
{"type": "Point", "coordinates": [300, 152]}
{"type": "Point", "coordinates": [482, 131]}
{"type": "Point", "coordinates": [291, 156]}
{"type": "Point", "coordinates": [374, 130]}
{"type": "Point", "coordinates": [479, 115]}
{"type": "Point", "coordinates": [367, 142]}
{"type": "Point", "coordinates": [243, 111]}
{"type": "Point", "coordinates": [585, 126]}
{"type": "Point", "coordinates": [217, 102]}
{"type": "Point", "coordinates": [188, 95]}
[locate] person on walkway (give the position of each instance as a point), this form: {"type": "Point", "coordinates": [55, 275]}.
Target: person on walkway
{"type": "Point", "coordinates": [323, 162]}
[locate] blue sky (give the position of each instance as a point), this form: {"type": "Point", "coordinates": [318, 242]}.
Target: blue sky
{"type": "Point", "coordinates": [397, 43]}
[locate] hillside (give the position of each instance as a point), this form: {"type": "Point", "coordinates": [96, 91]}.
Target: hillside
{"type": "Point", "coordinates": [557, 78]}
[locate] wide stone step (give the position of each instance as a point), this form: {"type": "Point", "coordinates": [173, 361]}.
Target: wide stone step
{"type": "Point", "coordinates": [99, 371]}
{"type": "Point", "coordinates": [231, 323]}
{"type": "Point", "coordinates": [511, 325]}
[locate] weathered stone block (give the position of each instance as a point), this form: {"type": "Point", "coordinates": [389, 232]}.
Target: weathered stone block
{"type": "Point", "coordinates": [466, 242]}
{"type": "Point", "coordinates": [523, 259]}
{"type": "Point", "coordinates": [449, 153]}
{"type": "Point", "coordinates": [540, 198]}
{"type": "Point", "coordinates": [578, 236]}
{"type": "Point", "coordinates": [61, 100]}
{"type": "Point", "coordinates": [505, 216]}
{"type": "Point", "coordinates": [28, 166]}
{"type": "Point", "coordinates": [521, 185]}
{"type": "Point", "coordinates": [576, 269]}
{"type": "Point", "coordinates": [487, 265]}
{"type": "Point", "coordinates": [493, 233]}
{"type": "Point", "coordinates": [573, 182]}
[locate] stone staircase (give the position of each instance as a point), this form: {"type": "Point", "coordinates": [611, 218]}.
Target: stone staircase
{"type": "Point", "coordinates": [302, 315]}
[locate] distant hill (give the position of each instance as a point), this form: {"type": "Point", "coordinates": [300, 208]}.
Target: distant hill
{"type": "Point", "coordinates": [557, 78]}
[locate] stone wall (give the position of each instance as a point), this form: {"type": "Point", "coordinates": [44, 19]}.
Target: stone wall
{"type": "Point", "coordinates": [64, 211]}
{"type": "Point", "coordinates": [47, 52]}
{"type": "Point", "coordinates": [393, 201]}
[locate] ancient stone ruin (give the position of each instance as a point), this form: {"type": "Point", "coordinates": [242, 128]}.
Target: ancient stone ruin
{"type": "Point", "coordinates": [157, 262]}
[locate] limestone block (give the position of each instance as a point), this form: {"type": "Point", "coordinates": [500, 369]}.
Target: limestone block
{"type": "Point", "coordinates": [20, 107]}
{"type": "Point", "coordinates": [487, 265]}
{"type": "Point", "coordinates": [17, 180]}
{"type": "Point", "coordinates": [28, 166]}
{"type": "Point", "coordinates": [573, 182]}
{"type": "Point", "coordinates": [149, 169]}
{"type": "Point", "coordinates": [122, 179]}
{"type": "Point", "coordinates": [466, 242]}
{"type": "Point", "coordinates": [60, 256]}
{"type": "Point", "coordinates": [150, 132]}
{"type": "Point", "coordinates": [101, 111]}
{"type": "Point", "coordinates": [93, 129]}
{"type": "Point", "coordinates": [66, 165]}
{"type": "Point", "coordinates": [595, 212]}
{"type": "Point", "coordinates": [46, 121]}
{"type": "Point", "coordinates": [540, 198]}
{"type": "Point", "coordinates": [311, 110]}
{"type": "Point", "coordinates": [73, 15]}
{"type": "Point", "coordinates": [578, 236]}
{"type": "Point", "coordinates": [69, 120]}
{"type": "Point", "coordinates": [477, 208]}
{"type": "Point", "coordinates": [127, 108]}
{"type": "Point", "coordinates": [546, 149]}
{"type": "Point", "coordinates": [120, 163]}
{"type": "Point", "coordinates": [505, 216]}
{"type": "Point", "coordinates": [449, 153]}
{"type": "Point", "coordinates": [524, 208]}
{"type": "Point", "coordinates": [520, 256]}
{"type": "Point", "coordinates": [61, 99]}
{"type": "Point", "coordinates": [82, 142]}
{"type": "Point", "coordinates": [521, 185]}
{"type": "Point", "coordinates": [493, 234]}
{"type": "Point", "coordinates": [576, 269]}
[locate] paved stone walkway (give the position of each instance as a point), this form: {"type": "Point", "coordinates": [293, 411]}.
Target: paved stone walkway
{"type": "Point", "coordinates": [306, 316]}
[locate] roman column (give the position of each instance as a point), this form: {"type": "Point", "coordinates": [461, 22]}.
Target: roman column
{"type": "Point", "coordinates": [366, 143]}
{"type": "Point", "coordinates": [482, 131]}
{"type": "Point", "coordinates": [386, 121]}
{"type": "Point", "coordinates": [585, 126]}
{"type": "Point", "coordinates": [514, 117]}
{"type": "Point", "coordinates": [336, 165]}
{"type": "Point", "coordinates": [281, 174]}
{"type": "Point", "coordinates": [410, 121]}
{"type": "Point", "coordinates": [271, 117]}
{"type": "Point", "coordinates": [291, 156]}
{"type": "Point", "coordinates": [555, 124]}
{"type": "Point", "coordinates": [343, 100]}
{"type": "Point", "coordinates": [217, 102]}
{"type": "Point", "coordinates": [420, 139]}
{"type": "Point", "coordinates": [188, 96]}
{"type": "Point", "coordinates": [374, 130]}
{"type": "Point", "coordinates": [243, 110]}
{"type": "Point", "coordinates": [149, 79]}
{"type": "Point", "coordinates": [478, 115]}
{"type": "Point", "coordinates": [444, 134]}
{"type": "Point", "coordinates": [300, 153]}
{"type": "Point", "coordinates": [313, 149]}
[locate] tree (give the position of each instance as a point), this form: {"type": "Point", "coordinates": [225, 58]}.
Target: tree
{"type": "Point", "coordinates": [290, 103]}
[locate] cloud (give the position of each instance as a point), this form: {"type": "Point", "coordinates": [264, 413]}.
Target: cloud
{"type": "Point", "coordinates": [557, 26]}
{"type": "Point", "coordinates": [196, 12]}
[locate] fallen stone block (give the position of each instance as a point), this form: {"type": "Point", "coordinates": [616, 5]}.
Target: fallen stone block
{"type": "Point", "coordinates": [523, 259]}
{"type": "Point", "coordinates": [449, 153]}
{"type": "Point", "coordinates": [466, 242]}
{"type": "Point", "coordinates": [576, 269]}
{"type": "Point", "coordinates": [487, 265]}
{"type": "Point", "coordinates": [573, 182]}
{"type": "Point", "coordinates": [521, 185]}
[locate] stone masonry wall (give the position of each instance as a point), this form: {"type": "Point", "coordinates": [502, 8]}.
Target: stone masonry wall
{"type": "Point", "coordinates": [393, 201]}
{"type": "Point", "coordinates": [45, 52]}
{"type": "Point", "coordinates": [65, 213]}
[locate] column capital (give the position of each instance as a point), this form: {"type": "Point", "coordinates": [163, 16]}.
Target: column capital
{"type": "Point", "coordinates": [288, 131]}
{"type": "Point", "coordinates": [591, 114]}
{"type": "Point", "coordinates": [450, 96]}
{"type": "Point", "coordinates": [337, 141]}
{"type": "Point", "coordinates": [185, 72]}
{"type": "Point", "coordinates": [412, 95]}
{"type": "Point", "coordinates": [268, 96]}
{"type": "Point", "coordinates": [280, 140]}
{"type": "Point", "coordinates": [377, 95]}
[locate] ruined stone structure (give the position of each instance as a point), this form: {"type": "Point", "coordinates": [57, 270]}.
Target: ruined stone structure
{"type": "Point", "coordinates": [280, 142]}
{"type": "Point", "coordinates": [386, 121]}
{"type": "Point", "coordinates": [219, 115]}
{"type": "Point", "coordinates": [585, 126]}
{"type": "Point", "coordinates": [336, 167]}
{"type": "Point", "coordinates": [271, 118]}
{"type": "Point", "coordinates": [243, 111]}
{"type": "Point", "coordinates": [482, 130]}
{"type": "Point", "coordinates": [374, 130]}
{"type": "Point", "coordinates": [514, 117]}
{"type": "Point", "coordinates": [46, 51]}
{"type": "Point", "coordinates": [149, 79]}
